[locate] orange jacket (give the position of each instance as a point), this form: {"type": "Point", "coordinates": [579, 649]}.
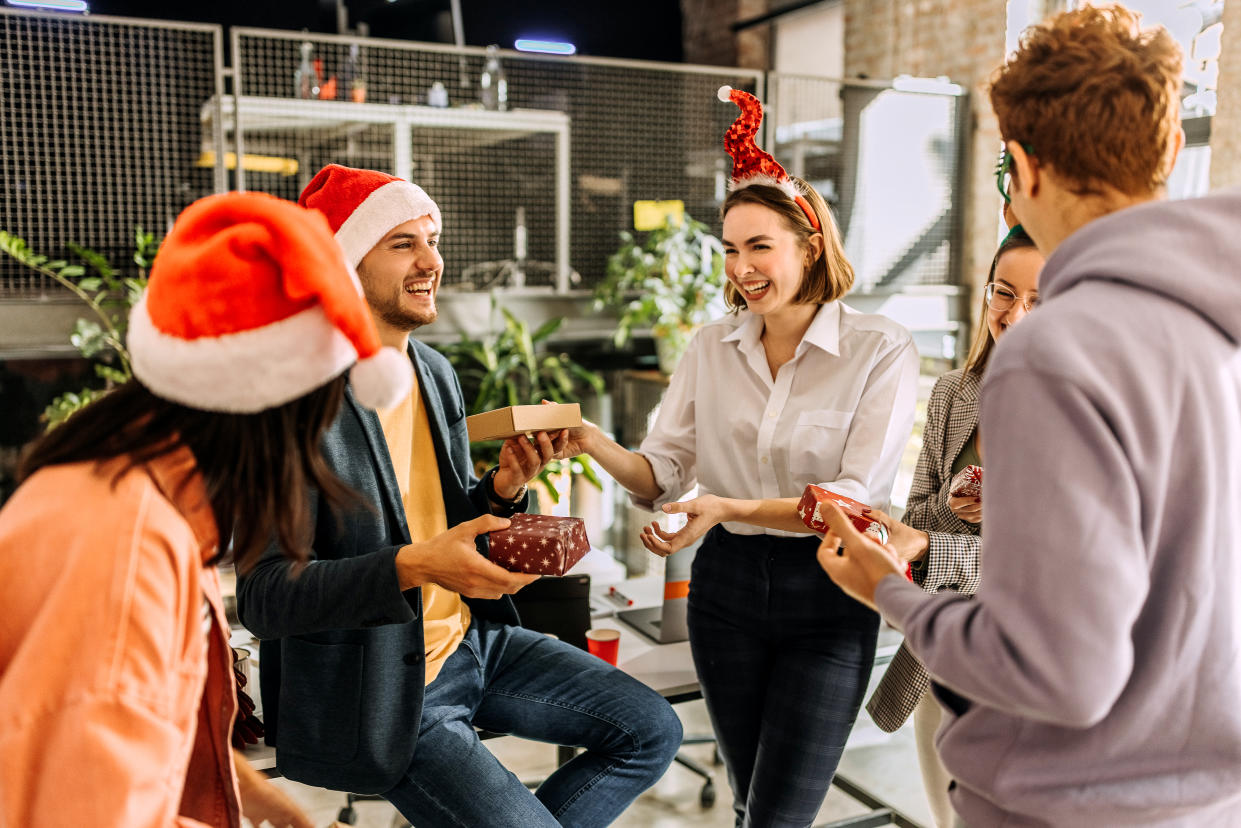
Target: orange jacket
{"type": "Point", "coordinates": [116, 688]}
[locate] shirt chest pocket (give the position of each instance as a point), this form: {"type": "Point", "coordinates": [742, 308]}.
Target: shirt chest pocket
{"type": "Point", "coordinates": [818, 441]}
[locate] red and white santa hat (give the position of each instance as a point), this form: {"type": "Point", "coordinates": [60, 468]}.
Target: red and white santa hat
{"type": "Point", "coordinates": [752, 165]}
{"type": "Point", "coordinates": [363, 206]}
{"type": "Point", "coordinates": [250, 305]}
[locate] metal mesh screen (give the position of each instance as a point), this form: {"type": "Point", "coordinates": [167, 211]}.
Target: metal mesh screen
{"type": "Point", "coordinates": [534, 196]}
{"type": "Point", "coordinates": [99, 119]}
{"type": "Point", "coordinates": [888, 160]}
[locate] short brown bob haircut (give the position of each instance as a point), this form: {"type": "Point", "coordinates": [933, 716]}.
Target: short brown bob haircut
{"type": "Point", "coordinates": [830, 275]}
{"type": "Point", "coordinates": [1095, 96]}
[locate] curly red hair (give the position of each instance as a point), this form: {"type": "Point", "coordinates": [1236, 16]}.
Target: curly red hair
{"type": "Point", "coordinates": [1095, 96]}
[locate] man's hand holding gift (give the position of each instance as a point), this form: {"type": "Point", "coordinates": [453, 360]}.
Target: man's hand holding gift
{"type": "Point", "coordinates": [910, 544]}
{"type": "Point", "coordinates": [854, 560]}
{"type": "Point", "coordinates": [522, 458]}
{"type": "Point", "coordinates": [451, 560]}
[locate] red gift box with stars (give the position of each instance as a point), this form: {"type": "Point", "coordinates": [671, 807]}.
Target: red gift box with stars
{"type": "Point", "coordinates": [543, 544]}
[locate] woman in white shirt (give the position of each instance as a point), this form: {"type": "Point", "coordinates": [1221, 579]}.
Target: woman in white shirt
{"type": "Point", "coordinates": [793, 388]}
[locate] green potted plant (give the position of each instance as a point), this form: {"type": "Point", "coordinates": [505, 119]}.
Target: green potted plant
{"type": "Point", "coordinates": [677, 274]}
{"type": "Point", "coordinates": [517, 369]}
{"type": "Point", "coordinates": [109, 293]}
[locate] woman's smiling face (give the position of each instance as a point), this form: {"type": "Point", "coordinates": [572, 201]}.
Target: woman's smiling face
{"type": "Point", "coordinates": [763, 258]}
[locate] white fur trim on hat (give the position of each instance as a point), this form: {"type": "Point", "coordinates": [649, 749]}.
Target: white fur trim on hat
{"type": "Point", "coordinates": [786, 185]}
{"type": "Point", "coordinates": [244, 372]}
{"type": "Point", "coordinates": [386, 207]}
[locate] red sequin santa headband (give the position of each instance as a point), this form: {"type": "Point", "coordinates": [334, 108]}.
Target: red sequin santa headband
{"type": "Point", "coordinates": [750, 164]}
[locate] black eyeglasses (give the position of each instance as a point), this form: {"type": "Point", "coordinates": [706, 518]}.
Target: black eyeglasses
{"type": "Point", "coordinates": [1001, 297]}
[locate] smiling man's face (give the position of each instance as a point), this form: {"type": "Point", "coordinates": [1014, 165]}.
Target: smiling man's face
{"type": "Point", "coordinates": [401, 274]}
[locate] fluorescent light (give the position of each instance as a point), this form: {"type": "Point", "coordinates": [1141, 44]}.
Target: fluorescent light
{"type": "Point", "coordinates": [59, 5]}
{"type": "Point", "coordinates": [546, 47]}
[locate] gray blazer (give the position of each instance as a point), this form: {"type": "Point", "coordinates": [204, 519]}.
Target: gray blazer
{"type": "Point", "coordinates": [952, 560]}
{"type": "Point", "coordinates": [342, 648]}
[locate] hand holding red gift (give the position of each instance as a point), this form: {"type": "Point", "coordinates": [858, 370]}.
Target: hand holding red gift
{"type": "Point", "coordinates": [965, 494]}
{"type": "Point", "coordinates": [967, 482]}
{"type": "Point", "coordinates": [540, 544]}
{"type": "Point", "coordinates": [855, 561]}
{"type": "Point", "coordinates": [810, 507]}
{"type": "Point", "coordinates": [451, 560]}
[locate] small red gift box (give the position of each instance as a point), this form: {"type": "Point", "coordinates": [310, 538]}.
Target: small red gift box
{"type": "Point", "coordinates": [810, 509]}
{"type": "Point", "coordinates": [543, 544]}
{"type": "Point", "coordinates": [967, 482]}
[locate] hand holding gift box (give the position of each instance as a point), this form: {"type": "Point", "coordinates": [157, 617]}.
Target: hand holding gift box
{"type": "Point", "coordinates": [810, 509]}
{"type": "Point", "coordinates": [513, 420]}
{"type": "Point", "coordinates": [540, 544]}
{"type": "Point", "coordinates": [967, 482]}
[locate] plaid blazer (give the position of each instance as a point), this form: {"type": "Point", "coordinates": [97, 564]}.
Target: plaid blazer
{"type": "Point", "coordinates": [952, 558]}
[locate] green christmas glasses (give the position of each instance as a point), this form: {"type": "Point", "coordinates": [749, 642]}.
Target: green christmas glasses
{"type": "Point", "coordinates": [1004, 170]}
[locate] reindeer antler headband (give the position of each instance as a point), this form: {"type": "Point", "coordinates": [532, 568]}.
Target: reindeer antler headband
{"type": "Point", "coordinates": [752, 165]}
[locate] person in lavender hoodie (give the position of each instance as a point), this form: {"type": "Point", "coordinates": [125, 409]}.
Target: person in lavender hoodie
{"type": "Point", "coordinates": [1096, 680]}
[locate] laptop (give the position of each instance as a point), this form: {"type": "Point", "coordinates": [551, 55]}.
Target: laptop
{"type": "Point", "coordinates": [666, 624]}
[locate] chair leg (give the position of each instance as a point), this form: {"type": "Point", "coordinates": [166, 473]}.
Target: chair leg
{"type": "Point", "coordinates": [707, 795]}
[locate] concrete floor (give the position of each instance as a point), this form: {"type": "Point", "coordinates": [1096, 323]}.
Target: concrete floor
{"type": "Point", "coordinates": [885, 764]}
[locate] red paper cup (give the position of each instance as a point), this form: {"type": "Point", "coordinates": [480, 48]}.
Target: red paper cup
{"type": "Point", "coordinates": [604, 643]}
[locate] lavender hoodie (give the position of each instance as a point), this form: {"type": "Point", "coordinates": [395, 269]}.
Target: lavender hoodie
{"type": "Point", "coordinates": [1096, 680]}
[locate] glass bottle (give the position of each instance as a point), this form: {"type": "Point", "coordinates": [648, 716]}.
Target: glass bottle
{"type": "Point", "coordinates": [492, 85]}
{"type": "Point", "coordinates": [305, 79]}
{"type": "Point", "coordinates": [352, 80]}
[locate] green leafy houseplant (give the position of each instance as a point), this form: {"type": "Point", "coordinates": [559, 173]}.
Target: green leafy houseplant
{"type": "Point", "coordinates": [517, 369]}
{"type": "Point", "coordinates": [677, 272]}
{"type": "Point", "coordinates": [109, 293]}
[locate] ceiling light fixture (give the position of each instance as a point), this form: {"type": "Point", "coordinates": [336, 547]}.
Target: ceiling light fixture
{"type": "Point", "coordinates": [545, 47]}
{"type": "Point", "coordinates": [56, 5]}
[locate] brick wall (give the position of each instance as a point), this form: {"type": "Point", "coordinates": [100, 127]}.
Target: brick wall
{"type": "Point", "coordinates": [709, 38]}
{"type": "Point", "coordinates": [964, 40]}
{"type": "Point", "coordinates": [1226, 125]}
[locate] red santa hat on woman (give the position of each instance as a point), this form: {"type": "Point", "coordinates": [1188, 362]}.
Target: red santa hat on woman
{"type": "Point", "coordinates": [752, 165]}
{"type": "Point", "coordinates": [250, 305]}
{"type": "Point", "coordinates": [363, 206]}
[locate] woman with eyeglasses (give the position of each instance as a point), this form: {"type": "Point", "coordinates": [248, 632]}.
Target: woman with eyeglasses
{"type": "Point", "coordinates": [939, 533]}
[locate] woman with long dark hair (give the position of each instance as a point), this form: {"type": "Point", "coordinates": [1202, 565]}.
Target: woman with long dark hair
{"type": "Point", "coordinates": [116, 688]}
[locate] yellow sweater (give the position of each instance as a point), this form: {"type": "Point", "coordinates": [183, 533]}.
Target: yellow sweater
{"type": "Point", "coordinates": [407, 430]}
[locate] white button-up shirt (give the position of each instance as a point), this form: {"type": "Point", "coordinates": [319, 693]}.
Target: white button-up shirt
{"type": "Point", "coordinates": [838, 414]}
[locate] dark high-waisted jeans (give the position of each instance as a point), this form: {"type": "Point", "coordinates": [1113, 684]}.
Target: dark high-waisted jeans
{"type": "Point", "coordinates": [784, 658]}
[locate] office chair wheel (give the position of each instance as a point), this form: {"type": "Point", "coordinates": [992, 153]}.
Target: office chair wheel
{"type": "Point", "coordinates": [707, 796]}
{"type": "Point", "coordinates": [347, 816]}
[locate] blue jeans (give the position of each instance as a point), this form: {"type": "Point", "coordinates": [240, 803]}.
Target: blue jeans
{"type": "Point", "coordinates": [511, 680]}
{"type": "Point", "coordinates": [783, 658]}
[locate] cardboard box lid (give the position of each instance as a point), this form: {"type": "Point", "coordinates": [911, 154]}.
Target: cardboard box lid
{"type": "Point", "coordinates": [519, 419]}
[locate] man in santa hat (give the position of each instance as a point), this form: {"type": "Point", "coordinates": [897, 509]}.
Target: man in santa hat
{"type": "Point", "coordinates": [383, 655]}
